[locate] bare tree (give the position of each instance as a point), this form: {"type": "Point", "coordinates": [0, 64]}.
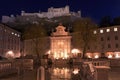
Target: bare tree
{"type": "Point", "coordinates": [38, 37]}
{"type": "Point", "coordinates": [83, 34]}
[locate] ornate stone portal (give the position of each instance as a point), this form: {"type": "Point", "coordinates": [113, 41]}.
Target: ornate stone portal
{"type": "Point", "coordinates": [60, 43]}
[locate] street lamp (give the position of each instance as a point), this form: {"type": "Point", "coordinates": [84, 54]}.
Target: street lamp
{"type": "Point", "coordinates": [110, 56]}
{"type": "Point", "coordinates": [89, 55]}
{"type": "Point", "coordinates": [75, 52]}
{"type": "Point", "coordinates": [96, 56]}
{"type": "Point", "coordinates": [117, 56]}
{"type": "Point", "coordinates": [9, 55]}
{"type": "Point", "coordinates": [76, 71]}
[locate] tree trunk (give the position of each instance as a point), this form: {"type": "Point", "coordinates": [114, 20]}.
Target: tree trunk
{"type": "Point", "coordinates": [84, 50]}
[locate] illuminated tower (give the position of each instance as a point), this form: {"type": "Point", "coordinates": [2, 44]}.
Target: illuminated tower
{"type": "Point", "coordinates": [60, 43]}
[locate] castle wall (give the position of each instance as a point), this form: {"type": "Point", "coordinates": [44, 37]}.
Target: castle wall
{"type": "Point", "coordinates": [51, 13]}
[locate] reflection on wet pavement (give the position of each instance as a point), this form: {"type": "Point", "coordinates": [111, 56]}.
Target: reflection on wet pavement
{"type": "Point", "coordinates": [45, 73]}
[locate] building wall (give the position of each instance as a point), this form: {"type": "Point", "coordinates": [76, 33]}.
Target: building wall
{"type": "Point", "coordinates": [30, 46]}
{"type": "Point", "coordinates": [60, 44]}
{"type": "Point", "coordinates": [108, 43]}
{"type": "Point", "coordinates": [9, 40]}
{"type": "Point", "coordinates": [108, 40]}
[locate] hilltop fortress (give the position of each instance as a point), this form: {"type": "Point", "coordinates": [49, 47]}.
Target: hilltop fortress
{"type": "Point", "coordinates": [51, 13]}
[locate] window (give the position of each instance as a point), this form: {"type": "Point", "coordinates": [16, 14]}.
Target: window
{"type": "Point", "coordinates": [109, 46]}
{"type": "Point", "coordinates": [15, 34]}
{"type": "Point", "coordinates": [95, 47]}
{"type": "Point", "coordinates": [116, 45]}
{"type": "Point", "coordinates": [115, 29]}
{"type": "Point", "coordinates": [12, 33]}
{"type": "Point", "coordinates": [88, 48]}
{"type": "Point", "coordinates": [107, 30]}
{"type": "Point", "coordinates": [102, 46]}
{"type": "Point", "coordinates": [95, 32]}
{"type": "Point", "coordinates": [18, 35]}
{"type": "Point", "coordinates": [116, 37]}
{"type": "Point", "coordinates": [101, 31]}
{"type": "Point", "coordinates": [108, 38]}
{"type": "Point", "coordinates": [102, 39]}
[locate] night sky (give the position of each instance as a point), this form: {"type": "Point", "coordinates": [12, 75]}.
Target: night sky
{"type": "Point", "coordinates": [95, 9]}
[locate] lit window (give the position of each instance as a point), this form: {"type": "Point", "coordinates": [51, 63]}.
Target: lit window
{"type": "Point", "coordinates": [12, 32]}
{"type": "Point", "coordinates": [108, 30]}
{"type": "Point", "coordinates": [115, 29]}
{"type": "Point", "coordinates": [95, 32]}
{"type": "Point", "coordinates": [18, 35]}
{"type": "Point", "coordinates": [101, 31]}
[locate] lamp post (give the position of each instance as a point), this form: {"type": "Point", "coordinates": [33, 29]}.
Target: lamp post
{"type": "Point", "coordinates": [10, 55]}
{"type": "Point", "coordinates": [75, 52]}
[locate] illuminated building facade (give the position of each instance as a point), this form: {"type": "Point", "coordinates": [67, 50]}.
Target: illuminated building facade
{"type": "Point", "coordinates": [9, 41]}
{"type": "Point", "coordinates": [108, 43]}
{"type": "Point", "coordinates": [60, 44]}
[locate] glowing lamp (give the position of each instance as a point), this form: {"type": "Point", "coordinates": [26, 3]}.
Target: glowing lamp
{"type": "Point", "coordinates": [109, 56]}
{"type": "Point", "coordinates": [89, 56]}
{"type": "Point", "coordinates": [10, 54]}
{"type": "Point", "coordinates": [76, 71]}
{"type": "Point", "coordinates": [96, 56]}
{"type": "Point", "coordinates": [117, 56]}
